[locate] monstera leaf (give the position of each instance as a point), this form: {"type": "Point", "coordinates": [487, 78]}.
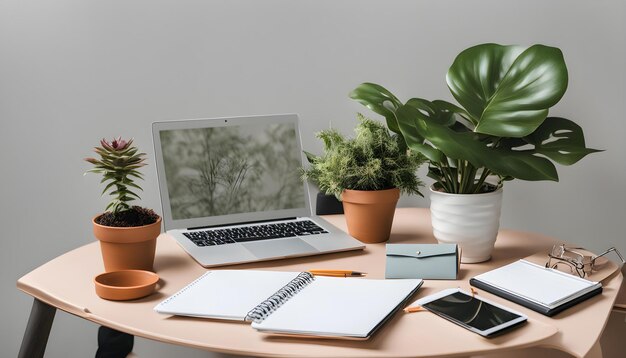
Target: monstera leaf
{"type": "Point", "coordinates": [465, 146]}
{"type": "Point", "coordinates": [507, 90]}
{"type": "Point", "coordinates": [560, 140]}
{"type": "Point", "coordinates": [379, 100]}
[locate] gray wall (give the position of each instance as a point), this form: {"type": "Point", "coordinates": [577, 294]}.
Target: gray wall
{"type": "Point", "coordinates": [72, 72]}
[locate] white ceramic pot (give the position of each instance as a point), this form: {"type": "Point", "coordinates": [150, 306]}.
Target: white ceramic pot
{"type": "Point", "coordinates": [469, 220]}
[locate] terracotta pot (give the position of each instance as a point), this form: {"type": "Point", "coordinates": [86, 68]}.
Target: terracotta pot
{"type": "Point", "coordinates": [127, 248]}
{"type": "Point", "coordinates": [369, 214]}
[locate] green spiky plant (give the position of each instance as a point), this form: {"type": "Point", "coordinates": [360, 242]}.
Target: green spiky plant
{"type": "Point", "coordinates": [374, 159]}
{"type": "Point", "coordinates": [119, 163]}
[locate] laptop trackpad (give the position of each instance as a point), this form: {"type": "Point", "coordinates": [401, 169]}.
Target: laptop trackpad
{"type": "Point", "coordinates": [279, 248]}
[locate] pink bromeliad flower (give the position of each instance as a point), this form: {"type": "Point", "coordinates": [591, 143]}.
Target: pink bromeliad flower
{"type": "Point", "coordinates": [117, 144]}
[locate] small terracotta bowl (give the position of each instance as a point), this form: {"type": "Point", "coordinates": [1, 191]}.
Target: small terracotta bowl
{"type": "Point", "coordinates": [125, 284]}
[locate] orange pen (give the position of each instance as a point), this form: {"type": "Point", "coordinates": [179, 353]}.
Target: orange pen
{"type": "Point", "coordinates": [412, 309]}
{"type": "Point", "coordinates": [337, 273]}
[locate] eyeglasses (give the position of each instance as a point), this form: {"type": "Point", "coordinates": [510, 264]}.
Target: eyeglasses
{"type": "Point", "coordinates": [577, 262]}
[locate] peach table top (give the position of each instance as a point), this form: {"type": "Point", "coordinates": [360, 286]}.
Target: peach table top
{"type": "Point", "coordinates": [66, 283]}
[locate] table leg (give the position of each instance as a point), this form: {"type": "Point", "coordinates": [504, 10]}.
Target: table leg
{"type": "Point", "coordinates": [37, 330]}
{"type": "Point", "coordinates": [595, 351]}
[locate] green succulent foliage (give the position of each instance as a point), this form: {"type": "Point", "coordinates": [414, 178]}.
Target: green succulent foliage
{"type": "Point", "coordinates": [501, 126]}
{"type": "Point", "coordinates": [119, 163]}
{"type": "Point", "coordinates": [374, 159]}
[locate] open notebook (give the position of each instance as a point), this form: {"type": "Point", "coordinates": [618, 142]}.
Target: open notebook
{"type": "Point", "coordinates": [545, 290]}
{"type": "Point", "coordinates": [294, 303]}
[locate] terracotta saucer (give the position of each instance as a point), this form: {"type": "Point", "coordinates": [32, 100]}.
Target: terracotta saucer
{"type": "Point", "coordinates": [125, 284]}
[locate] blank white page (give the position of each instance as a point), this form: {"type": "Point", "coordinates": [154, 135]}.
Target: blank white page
{"type": "Point", "coordinates": [536, 283]}
{"type": "Point", "coordinates": [225, 294]}
{"type": "Point", "coordinates": [332, 306]}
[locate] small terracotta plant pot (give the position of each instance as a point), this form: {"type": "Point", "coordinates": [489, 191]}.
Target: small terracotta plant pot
{"type": "Point", "coordinates": [127, 248]}
{"type": "Point", "coordinates": [369, 214]}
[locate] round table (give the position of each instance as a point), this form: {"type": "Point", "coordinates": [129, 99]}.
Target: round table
{"type": "Point", "coordinates": [66, 283]}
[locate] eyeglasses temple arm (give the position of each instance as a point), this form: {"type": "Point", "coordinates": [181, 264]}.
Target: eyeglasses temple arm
{"type": "Point", "coordinates": [614, 250]}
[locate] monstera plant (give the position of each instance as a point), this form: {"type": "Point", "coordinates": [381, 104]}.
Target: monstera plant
{"type": "Point", "coordinates": [499, 129]}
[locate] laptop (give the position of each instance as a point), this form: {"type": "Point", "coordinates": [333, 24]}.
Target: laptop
{"type": "Point", "coordinates": [231, 191]}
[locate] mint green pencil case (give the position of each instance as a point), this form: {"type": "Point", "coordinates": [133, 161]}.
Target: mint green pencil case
{"type": "Point", "coordinates": [425, 261]}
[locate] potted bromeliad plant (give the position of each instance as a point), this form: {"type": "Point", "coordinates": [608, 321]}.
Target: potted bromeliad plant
{"type": "Point", "coordinates": [499, 131]}
{"type": "Point", "coordinates": [127, 233]}
{"type": "Point", "coordinates": [367, 173]}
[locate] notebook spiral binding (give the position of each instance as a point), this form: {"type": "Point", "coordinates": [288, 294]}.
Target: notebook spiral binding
{"type": "Point", "coordinates": [265, 308]}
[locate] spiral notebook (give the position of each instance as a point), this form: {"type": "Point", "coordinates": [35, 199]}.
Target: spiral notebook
{"type": "Point", "coordinates": [293, 303]}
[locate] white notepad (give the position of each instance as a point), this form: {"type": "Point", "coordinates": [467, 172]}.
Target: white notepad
{"type": "Point", "coordinates": [544, 286]}
{"type": "Point", "coordinates": [293, 302]}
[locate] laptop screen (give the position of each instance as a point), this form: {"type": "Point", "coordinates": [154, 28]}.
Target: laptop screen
{"type": "Point", "coordinates": [228, 170]}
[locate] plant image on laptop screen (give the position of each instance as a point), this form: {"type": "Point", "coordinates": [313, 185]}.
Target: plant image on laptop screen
{"type": "Point", "coordinates": [232, 169]}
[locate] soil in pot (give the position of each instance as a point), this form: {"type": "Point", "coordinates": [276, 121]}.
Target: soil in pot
{"type": "Point", "coordinates": [135, 216]}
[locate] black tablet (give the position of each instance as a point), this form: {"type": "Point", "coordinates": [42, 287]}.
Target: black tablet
{"type": "Point", "coordinates": [471, 312]}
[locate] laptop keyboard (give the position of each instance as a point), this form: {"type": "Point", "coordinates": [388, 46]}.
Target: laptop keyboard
{"type": "Point", "coordinates": [254, 233]}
